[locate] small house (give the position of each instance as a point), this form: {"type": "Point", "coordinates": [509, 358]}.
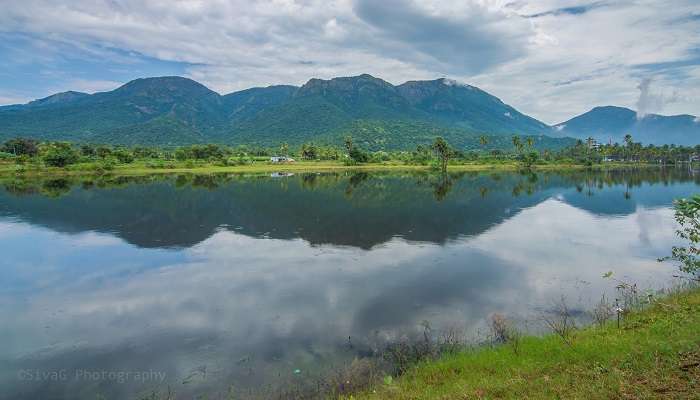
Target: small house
{"type": "Point", "coordinates": [281, 159]}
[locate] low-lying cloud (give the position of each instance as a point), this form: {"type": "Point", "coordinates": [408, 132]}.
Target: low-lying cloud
{"type": "Point", "coordinates": [650, 101]}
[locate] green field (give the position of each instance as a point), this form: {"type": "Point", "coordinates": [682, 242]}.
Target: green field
{"type": "Point", "coordinates": [143, 168]}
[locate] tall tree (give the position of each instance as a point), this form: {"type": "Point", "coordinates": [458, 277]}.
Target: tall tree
{"type": "Point", "coordinates": [309, 151]}
{"type": "Point", "coordinates": [483, 140]}
{"type": "Point", "coordinates": [348, 143]}
{"type": "Point", "coordinates": [443, 151]}
{"type": "Point", "coordinates": [628, 144]}
{"type": "Point", "coordinates": [517, 143]}
{"type": "Point", "coordinates": [530, 142]}
{"type": "Point", "coordinates": [21, 147]}
{"type": "Point", "coordinates": [688, 217]}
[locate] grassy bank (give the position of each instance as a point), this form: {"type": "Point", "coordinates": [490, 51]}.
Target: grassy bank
{"type": "Point", "coordinates": [654, 354]}
{"type": "Point", "coordinates": [142, 168]}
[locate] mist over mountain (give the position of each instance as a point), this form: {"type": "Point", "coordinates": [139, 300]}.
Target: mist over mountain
{"type": "Point", "coordinates": [170, 111]}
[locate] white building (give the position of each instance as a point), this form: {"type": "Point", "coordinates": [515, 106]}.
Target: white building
{"type": "Point", "coordinates": [281, 159]}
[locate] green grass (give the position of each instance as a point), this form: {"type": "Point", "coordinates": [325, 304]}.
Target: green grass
{"type": "Point", "coordinates": [655, 354]}
{"type": "Point", "coordinates": [143, 168]}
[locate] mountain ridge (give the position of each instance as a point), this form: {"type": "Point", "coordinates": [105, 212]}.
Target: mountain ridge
{"type": "Point", "coordinates": [612, 123]}
{"type": "Point", "coordinates": [174, 110]}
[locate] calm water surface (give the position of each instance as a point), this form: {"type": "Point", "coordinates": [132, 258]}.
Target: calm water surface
{"type": "Point", "coordinates": [119, 286]}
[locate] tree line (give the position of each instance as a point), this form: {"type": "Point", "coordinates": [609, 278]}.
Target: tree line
{"type": "Point", "coordinates": [438, 154]}
{"type": "Point", "coordinates": [631, 151]}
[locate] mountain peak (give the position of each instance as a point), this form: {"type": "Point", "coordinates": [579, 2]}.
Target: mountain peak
{"type": "Point", "coordinates": [612, 123]}
{"type": "Point", "coordinates": [348, 84]}
{"type": "Point", "coordinates": [164, 84]}
{"type": "Point", "coordinates": [58, 98]}
{"type": "Point", "coordinates": [417, 91]}
{"type": "Point", "coordinates": [347, 79]}
{"type": "Point", "coordinates": [612, 109]}
{"type": "Point", "coordinates": [455, 83]}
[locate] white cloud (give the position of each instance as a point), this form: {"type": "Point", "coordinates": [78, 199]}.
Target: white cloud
{"type": "Point", "coordinates": [575, 55]}
{"type": "Point", "coordinates": [650, 101]}
{"type": "Point", "coordinates": [594, 59]}
{"type": "Point", "coordinates": [13, 99]}
{"type": "Point", "coordinates": [88, 86]}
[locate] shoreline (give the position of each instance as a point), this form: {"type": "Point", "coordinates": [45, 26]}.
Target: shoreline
{"type": "Point", "coordinates": [301, 167]}
{"type": "Point", "coordinates": [654, 353]}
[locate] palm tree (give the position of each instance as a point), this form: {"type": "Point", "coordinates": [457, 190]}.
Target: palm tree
{"type": "Point", "coordinates": [628, 139]}
{"type": "Point", "coordinates": [348, 143]}
{"type": "Point", "coordinates": [628, 143]}
{"type": "Point", "coordinates": [517, 143]}
{"type": "Point", "coordinates": [483, 140]}
{"type": "Point", "coordinates": [530, 142]}
{"type": "Point", "coordinates": [443, 150]}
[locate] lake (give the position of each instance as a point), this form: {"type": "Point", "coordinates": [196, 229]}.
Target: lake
{"type": "Point", "coordinates": [117, 286]}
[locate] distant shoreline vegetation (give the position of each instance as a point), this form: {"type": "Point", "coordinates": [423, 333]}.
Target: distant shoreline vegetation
{"type": "Point", "coordinates": [28, 155]}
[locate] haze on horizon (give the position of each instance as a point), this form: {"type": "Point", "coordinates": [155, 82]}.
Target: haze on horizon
{"type": "Point", "coordinates": [550, 59]}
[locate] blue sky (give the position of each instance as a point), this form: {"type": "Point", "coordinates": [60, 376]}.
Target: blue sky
{"type": "Point", "coordinates": [37, 66]}
{"type": "Point", "coordinates": [550, 59]}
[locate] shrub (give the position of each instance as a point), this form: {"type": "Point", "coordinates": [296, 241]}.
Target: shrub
{"type": "Point", "coordinates": [103, 152]}
{"type": "Point", "coordinates": [103, 167]}
{"type": "Point", "coordinates": [688, 217]}
{"type": "Point", "coordinates": [160, 165]}
{"type": "Point", "coordinates": [560, 321]}
{"type": "Point", "coordinates": [602, 312]}
{"type": "Point", "coordinates": [19, 147]}
{"type": "Point", "coordinates": [23, 159]}
{"type": "Point", "coordinates": [60, 154]}
{"type": "Point", "coordinates": [358, 156]}
{"type": "Point", "coordinates": [504, 331]}
{"type": "Point", "coordinates": [123, 156]}
{"type": "Point", "coordinates": [530, 158]}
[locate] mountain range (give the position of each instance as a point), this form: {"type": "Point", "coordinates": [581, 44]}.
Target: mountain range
{"type": "Point", "coordinates": [611, 124]}
{"type": "Point", "coordinates": [169, 111]}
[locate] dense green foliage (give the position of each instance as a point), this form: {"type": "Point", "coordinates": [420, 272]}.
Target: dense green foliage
{"type": "Point", "coordinates": [631, 151]}
{"type": "Point", "coordinates": [438, 153]}
{"type": "Point", "coordinates": [443, 152]}
{"type": "Point", "coordinates": [20, 147]}
{"type": "Point", "coordinates": [688, 217]}
{"type": "Point", "coordinates": [174, 111]}
{"type": "Point", "coordinates": [59, 154]}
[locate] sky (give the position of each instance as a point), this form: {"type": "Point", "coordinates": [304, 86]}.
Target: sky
{"type": "Point", "coordinates": [549, 59]}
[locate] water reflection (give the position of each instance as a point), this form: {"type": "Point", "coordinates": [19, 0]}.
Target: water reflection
{"type": "Point", "coordinates": [353, 209]}
{"type": "Point", "coordinates": [221, 280]}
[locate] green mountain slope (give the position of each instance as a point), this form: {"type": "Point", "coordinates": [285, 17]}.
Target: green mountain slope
{"type": "Point", "coordinates": [468, 107]}
{"type": "Point", "coordinates": [175, 111]}
{"type": "Point", "coordinates": [120, 116]}
{"type": "Point", "coordinates": [613, 123]}
{"type": "Point", "coordinates": [383, 116]}
{"type": "Point", "coordinates": [243, 105]}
